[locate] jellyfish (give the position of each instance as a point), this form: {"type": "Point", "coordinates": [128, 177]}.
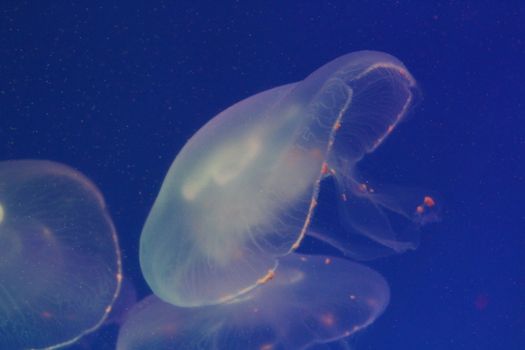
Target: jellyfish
{"type": "Point", "coordinates": [311, 300]}
{"type": "Point", "coordinates": [223, 245]}
{"type": "Point", "coordinates": [60, 268]}
{"type": "Point", "coordinates": [243, 191]}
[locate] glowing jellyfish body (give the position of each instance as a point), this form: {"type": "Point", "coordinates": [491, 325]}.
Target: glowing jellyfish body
{"type": "Point", "coordinates": [311, 300]}
{"type": "Point", "coordinates": [242, 191]}
{"type": "Point", "coordinates": [59, 259]}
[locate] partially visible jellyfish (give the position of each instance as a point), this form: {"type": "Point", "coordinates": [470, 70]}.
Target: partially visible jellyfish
{"type": "Point", "coordinates": [311, 300]}
{"type": "Point", "coordinates": [241, 194]}
{"type": "Point", "coordinates": [60, 267]}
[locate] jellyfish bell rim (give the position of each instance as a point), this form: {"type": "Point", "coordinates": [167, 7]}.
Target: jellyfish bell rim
{"type": "Point", "coordinates": [414, 98]}
{"type": "Point", "coordinates": [58, 168]}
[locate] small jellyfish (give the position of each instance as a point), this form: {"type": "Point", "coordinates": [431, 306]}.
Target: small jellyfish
{"type": "Point", "coordinates": [242, 192]}
{"type": "Point", "coordinates": [60, 266]}
{"type": "Point", "coordinates": [311, 300]}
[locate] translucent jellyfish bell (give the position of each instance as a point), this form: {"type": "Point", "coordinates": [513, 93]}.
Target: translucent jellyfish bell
{"type": "Point", "coordinates": [311, 300]}
{"type": "Point", "coordinates": [242, 191]}
{"type": "Point", "coordinates": [59, 259]}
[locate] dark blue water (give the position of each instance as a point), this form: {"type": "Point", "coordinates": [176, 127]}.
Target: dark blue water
{"type": "Point", "coordinates": [115, 89]}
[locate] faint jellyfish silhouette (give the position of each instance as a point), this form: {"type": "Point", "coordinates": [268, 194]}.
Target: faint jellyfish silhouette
{"type": "Point", "coordinates": [311, 300]}
{"type": "Point", "coordinates": [60, 268]}
{"type": "Point", "coordinates": [241, 193]}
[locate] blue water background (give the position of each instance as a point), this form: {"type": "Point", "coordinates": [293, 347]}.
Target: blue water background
{"type": "Point", "coordinates": [115, 89]}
